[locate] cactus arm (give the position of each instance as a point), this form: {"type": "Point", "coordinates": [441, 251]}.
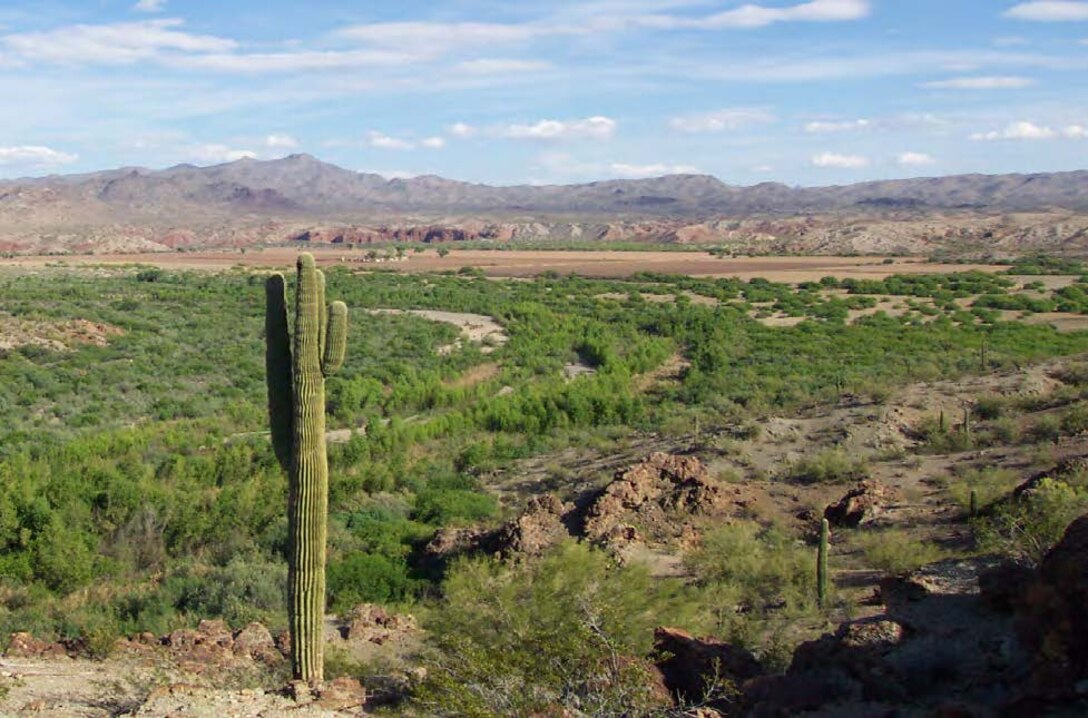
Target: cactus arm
{"type": "Point", "coordinates": [308, 486]}
{"type": "Point", "coordinates": [335, 338]}
{"type": "Point", "coordinates": [278, 369]}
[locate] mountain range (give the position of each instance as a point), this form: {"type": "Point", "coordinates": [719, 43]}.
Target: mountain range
{"type": "Point", "coordinates": [230, 204]}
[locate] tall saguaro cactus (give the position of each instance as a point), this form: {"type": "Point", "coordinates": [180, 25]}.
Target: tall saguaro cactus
{"type": "Point", "coordinates": [296, 370]}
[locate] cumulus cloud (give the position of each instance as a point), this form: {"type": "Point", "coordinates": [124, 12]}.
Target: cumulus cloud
{"type": "Point", "coordinates": [1018, 131]}
{"type": "Point", "coordinates": [720, 120]}
{"type": "Point", "coordinates": [752, 16]}
{"type": "Point", "coordinates": [219, 153]}
{"type": "Point", "coordinates": [915, 159]}
{"type": "Point", "coordinates": [118, 43]}
{"type": "Point", "coordinates": [280, 142]}
{"type": "Point", "coordinates": [826, 127]}
{"type": "Point", "coordinates": [385, 142]}
{"type": "Point", "coordinates": [632, 171]}
{"type": "Point", "coordinates": [34, 156]}
{"type": "Point", "coordinates": [596, 127]}
{"type": "Point", "coordinates": [980, 83]}
{"type": "Point", "coordinates": [434, 143]}
{"type": "Point", "coordinates": [837, 161]}
{"type": "Point", "coordinates": [462, 130]}
{"type": "Point", "coordinates": [1076, 132]}
{"type": "Point", "coordinates": [1049, 11]}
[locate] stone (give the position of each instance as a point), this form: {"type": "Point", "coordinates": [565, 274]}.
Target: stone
{"type": "Point", "coordinates": [860, 506]}
{"type": "Point", "coordinates": [691, 666]}
{"type": "Point", "coordinates": [341, 694]}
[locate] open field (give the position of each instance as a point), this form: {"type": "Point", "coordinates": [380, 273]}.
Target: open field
{"type": "Point", "coordinates": [513, 263]}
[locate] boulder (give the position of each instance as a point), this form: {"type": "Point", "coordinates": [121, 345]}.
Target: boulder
{"type": "Point", "coordinates": [371, 623]}
{"type": "Point", "coordinates": [341, 694]}
{"type": "Point", "coordinates": [537, 529]}
{"type": "Point", "coordinates": [1052, 618]}
{"type": "Point", "coordinates": [24, 645]}
{"type": "Point", "coordinates": [860, 506]}
{"type": "Point", "coordinates": [650, 494]}
{"type": "Point", "coordinates": [256, 642]}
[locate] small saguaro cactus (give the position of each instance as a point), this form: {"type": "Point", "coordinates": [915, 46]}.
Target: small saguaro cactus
{"type": "Point", "coordinates": [972, 504]}
{"type": "Point", "coordinates": [296, 369]}
{"type": "Point", "coordinates": [821, 563]}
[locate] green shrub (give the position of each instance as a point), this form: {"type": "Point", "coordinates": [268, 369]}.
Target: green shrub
{"type": "Point", "coordinates": [367, 578]}
{"type": "Point", "coordinates": [898, 551]}
{"type": "Point", "coordinates": [829, 466]}
{"type": "Point", "coordinates": [560, 635]}
{"type": "Point", "coordinates": [1024, 528]}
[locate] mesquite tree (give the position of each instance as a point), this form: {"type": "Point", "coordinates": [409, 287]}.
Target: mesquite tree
{"type": "Point", "coordinates": [296, 370]}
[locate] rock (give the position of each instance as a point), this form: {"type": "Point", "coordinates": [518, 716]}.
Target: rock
{"type": "Point", "coordinates": [299, 692]}
{"type": "Point", "coordinates": [256, 642]}
{"type": "Point", "coordinates": [341, 694]}
{"type": "Point", "coordinates": [448, 542]}
{"type": "Point", "coordinates": [216, 632]}
{"type": "Point", "coordinates": [691, 665]}
{"type": "Point", "coordinates": [1052, 618]}
{"type": "Point", "coordinates": [538, 528]}
{"type": "Point", "coordinates": [1002, 587]}
{"type": "Point", "coordinates": [24, 645]}
{"type": "Point", "coordinates": [181, 638]}
{"type": "Point", "coordinates": [862, 505]}
{"type": "Point", "coordinates": [650, 494]}
{"type": "Point", "coordinates": [368, 622]}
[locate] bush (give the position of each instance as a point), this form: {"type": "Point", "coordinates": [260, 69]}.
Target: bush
{"type": "Point", "coordinates": [367, 578]}
{"type": "Point", "coordinates": [1024, 528]}
{"type": "Point", "coordinates": [555, 636]}
{"type": "Point", "coordinates": [896, 551]}
{"type": "Point", "coordinates": [829, 466]}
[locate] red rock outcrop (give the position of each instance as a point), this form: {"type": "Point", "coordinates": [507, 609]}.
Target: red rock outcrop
{"type": "Point", "coordinates": [862, 505]}
{"type": "Point", "coordinates": [702, 670]}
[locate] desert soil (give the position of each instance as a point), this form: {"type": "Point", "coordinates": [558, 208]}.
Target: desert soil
{"type": "Point", "coordinates": [513, 263]}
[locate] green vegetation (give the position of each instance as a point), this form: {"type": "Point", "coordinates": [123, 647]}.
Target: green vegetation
{"type": "Point", "coordinates": [896, 551]}
{"type": "Point", "coordinates": [139, 489]}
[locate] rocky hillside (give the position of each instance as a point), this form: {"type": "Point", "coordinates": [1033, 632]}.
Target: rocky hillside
{"type": "Point", "coordinates": [300, 197]}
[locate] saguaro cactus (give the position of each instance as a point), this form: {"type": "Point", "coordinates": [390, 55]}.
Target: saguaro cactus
{"type": "Point", "coordinates": [821, 563]}
{"type": "Point", "coordinates": [296, 370]}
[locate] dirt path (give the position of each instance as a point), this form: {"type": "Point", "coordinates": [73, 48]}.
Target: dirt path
{"type": "Point", "coordinates": [475, 328]}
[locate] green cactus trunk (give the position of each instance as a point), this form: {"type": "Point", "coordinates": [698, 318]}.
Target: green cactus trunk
{"type": "Point", "coordinates": [821, 563]}
{"type": "Point", "coordinates": [296, 370]}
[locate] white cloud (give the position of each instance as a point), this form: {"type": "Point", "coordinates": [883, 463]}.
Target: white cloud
{"type": "Point", "coordinates": [150, 6]}
{"type": "Point", "coordinates": [462, 130]}
{"type": "Point", "coordinates": [752, 16]}
{"type": "Point", "coordinates": [1018, 131]}
{"type": "Point", "coordinates": [434, 143]}
{"type": "Point", "coordinates": [1075, 132]}
{"type": "Point", "coordinates": [622, 169]}
{"type": "Point", "coordinates": [496, 66]}
{"type": "Point", "coordinates": [290, 61]}
{"type": "Point", "coordinates": [763, 169]}
{"type": "Point", "coordinates": [34, 156]}
{"type": "Point", "coordinates": [385, 142]}
{"type": "Point", "coordinates": [443, 35]}
{"type": "Point", "coordinates": [831, 159]}
{"type": "Point", "coordinates": [1010, 41]}
{"type": "Point", "coordinates": [219, 153]}
{"type": "Point", "coordinates": [826, 127]}
{"type": "Point", "coordinates": [720, 120]}
{"type": "Point", "coordinates": [597, 127]}
{"type": "Point", "coordinates": [915, 159]}
{"type": "Point", "coordinates": [1049, 11]}
{"type": "Point", "coordinates": [119, 43]}
{"type": "Point", "coordinates": [981, 83]}
{"type": "Point", "coordinates": [277, 141]}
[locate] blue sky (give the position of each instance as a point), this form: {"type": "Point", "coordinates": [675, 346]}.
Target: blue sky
{"type": "Point", "coordinates": [809, 92]}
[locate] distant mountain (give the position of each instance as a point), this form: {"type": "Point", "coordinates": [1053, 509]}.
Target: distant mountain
{"type": "Point", "coordinates": [303, 199]}
{"type": "Point", "coordinates": [301, 185]}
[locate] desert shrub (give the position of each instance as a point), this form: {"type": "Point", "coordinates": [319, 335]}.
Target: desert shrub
{"type": "Point", "coordinates": [755, 580]}
{"type": "Point", "coordinates": [1045, 428]}
{"type": "Point", "coordinates": [1024, 528]}
{"type": "Point", "coordinates": [828, 466]}
{"type": "Point", "coordinates": [562, 634]}
{"type": "Point", "coordinates": [367, 578]}
{"type": "Point", "coordinates": [989, 407]}
{"type": "Point", "coordinates": [989, 485]}
{"type": "Point", "coordinates": [1075, 420]}
{"type": "Point", "coordinates": [897, 551]}
{"type": "Point", "coordinates": [446, 502]}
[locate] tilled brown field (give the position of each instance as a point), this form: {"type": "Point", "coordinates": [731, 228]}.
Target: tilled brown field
{"type": "Point", "coordinates": [511, 263]}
